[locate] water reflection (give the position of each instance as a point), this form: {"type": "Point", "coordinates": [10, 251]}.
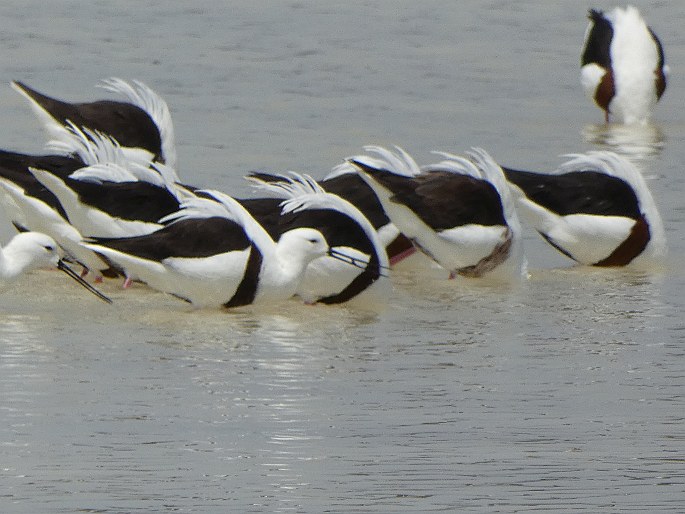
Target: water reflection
{"type": "Point", "coordinates": [636, 141]}
{"type": "Point", "coordinates": [17, 333]}
{"type": "Point", "coordinates": [597, 310]}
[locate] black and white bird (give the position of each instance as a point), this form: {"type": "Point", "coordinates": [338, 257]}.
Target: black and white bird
{"type": "Point", "coordinates": [347, 230]}
{"type": "Point", "coordinates": [459, 212]}
{"type": "Point", "coordinates": [595, 208]}
{"type": "Point", "coordinates": [109, 208]}
{"type": "Point", "coordinates": [214, 253]}
{"type": "Point", "coordinates": [622, 65]}
{"type": "Point", "coordinates": [141, 125]}
{"type": "Point", "coordinates": [29, 251]}
{"type": "Point", "coordinates": [345, 182]}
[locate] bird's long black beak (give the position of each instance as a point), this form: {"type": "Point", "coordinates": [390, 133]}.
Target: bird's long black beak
{"type": "Point", "coordinates": [353, 261]}
{"type": "Point", "coordinates": [62, 266]}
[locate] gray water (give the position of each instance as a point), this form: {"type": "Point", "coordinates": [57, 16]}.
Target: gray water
{"type": "Point", "coordinates": [562, 394]}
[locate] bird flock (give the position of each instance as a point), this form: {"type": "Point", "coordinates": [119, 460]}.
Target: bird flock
{"type": "Point", "coordinates": [106, 196]}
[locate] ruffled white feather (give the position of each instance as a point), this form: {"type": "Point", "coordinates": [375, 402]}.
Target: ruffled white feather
{"type": "Point", "coordinates": [144, 97]}
{"type": "Point", "coordinates": [224, 206]}
{"type": "Point", "coordinates": [399, 162]}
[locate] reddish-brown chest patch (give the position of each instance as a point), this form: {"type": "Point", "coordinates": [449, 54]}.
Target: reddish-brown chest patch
{"type": "Point", "coordinates": [605, 90]}
{"type": "Point", "coordinates": [633, 246]}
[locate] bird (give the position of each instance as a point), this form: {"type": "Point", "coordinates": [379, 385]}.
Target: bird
{"type": "Point", "coordinates": [141, 124]}
{"type": "Point", "coordinates": [344, 182]}
{"type": "Point", "coordinates": [326, 279]}
{"type": "Point", "coordinates": [595, 208]}
{"type": "Point", "coordinates": [28, 251]}
{"type": "Point", "coordinates": [111, 196]}
{"type": "Point", "coordinates": [458, 212]}
{"type": "Point", "coordinates": [109, 209]}
{"type": "Point", "coordinates": [623, 65]}
{"type": "Point", "coordinates": [213, 253]}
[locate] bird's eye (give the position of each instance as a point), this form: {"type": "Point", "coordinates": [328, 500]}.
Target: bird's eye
{"type": "Point", "coordinates": [50, 248]}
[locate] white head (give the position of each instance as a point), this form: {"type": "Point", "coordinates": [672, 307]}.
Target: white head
{"type": "Point", "coordinates": [300, 246]}
{"type": "Point", "coordinates": [31, 250]}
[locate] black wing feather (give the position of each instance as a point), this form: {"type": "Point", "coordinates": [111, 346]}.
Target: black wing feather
{"type": "Point", "coordinates": [598, 44]}
{"type": "Point", "coordinates": [134, 201]}
{"type": "Point", "coordinates": [202, 237]}
{"type": "Point", "coordinates": [127, 123]}
{"type": "Point", "coordinates": [444, 200]}
{"type": "Point", "coordinates": [578, 192]}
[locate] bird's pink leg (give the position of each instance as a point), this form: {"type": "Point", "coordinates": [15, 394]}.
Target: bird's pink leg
{"type": "Point", "coordinates": [402, 255]}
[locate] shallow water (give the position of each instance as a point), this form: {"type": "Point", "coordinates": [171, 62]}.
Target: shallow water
{"type": "Point", "coordinates": [561, 394]}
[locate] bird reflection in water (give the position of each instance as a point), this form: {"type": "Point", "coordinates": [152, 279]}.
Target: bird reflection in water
{"type": "Point", "coordinates": [637, 141]}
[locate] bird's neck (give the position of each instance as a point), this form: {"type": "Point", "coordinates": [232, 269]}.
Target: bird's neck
{"type": "Point", "coordinates": [290, 266]}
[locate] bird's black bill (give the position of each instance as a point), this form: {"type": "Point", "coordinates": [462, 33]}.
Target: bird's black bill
{"type": "Point", "coordinates": [353, 261]}
{"type": "Point", "coordinates": [62, 266]}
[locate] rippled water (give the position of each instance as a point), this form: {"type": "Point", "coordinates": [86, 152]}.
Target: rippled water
{"type": "Point", "coordinates": [561, 394]}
